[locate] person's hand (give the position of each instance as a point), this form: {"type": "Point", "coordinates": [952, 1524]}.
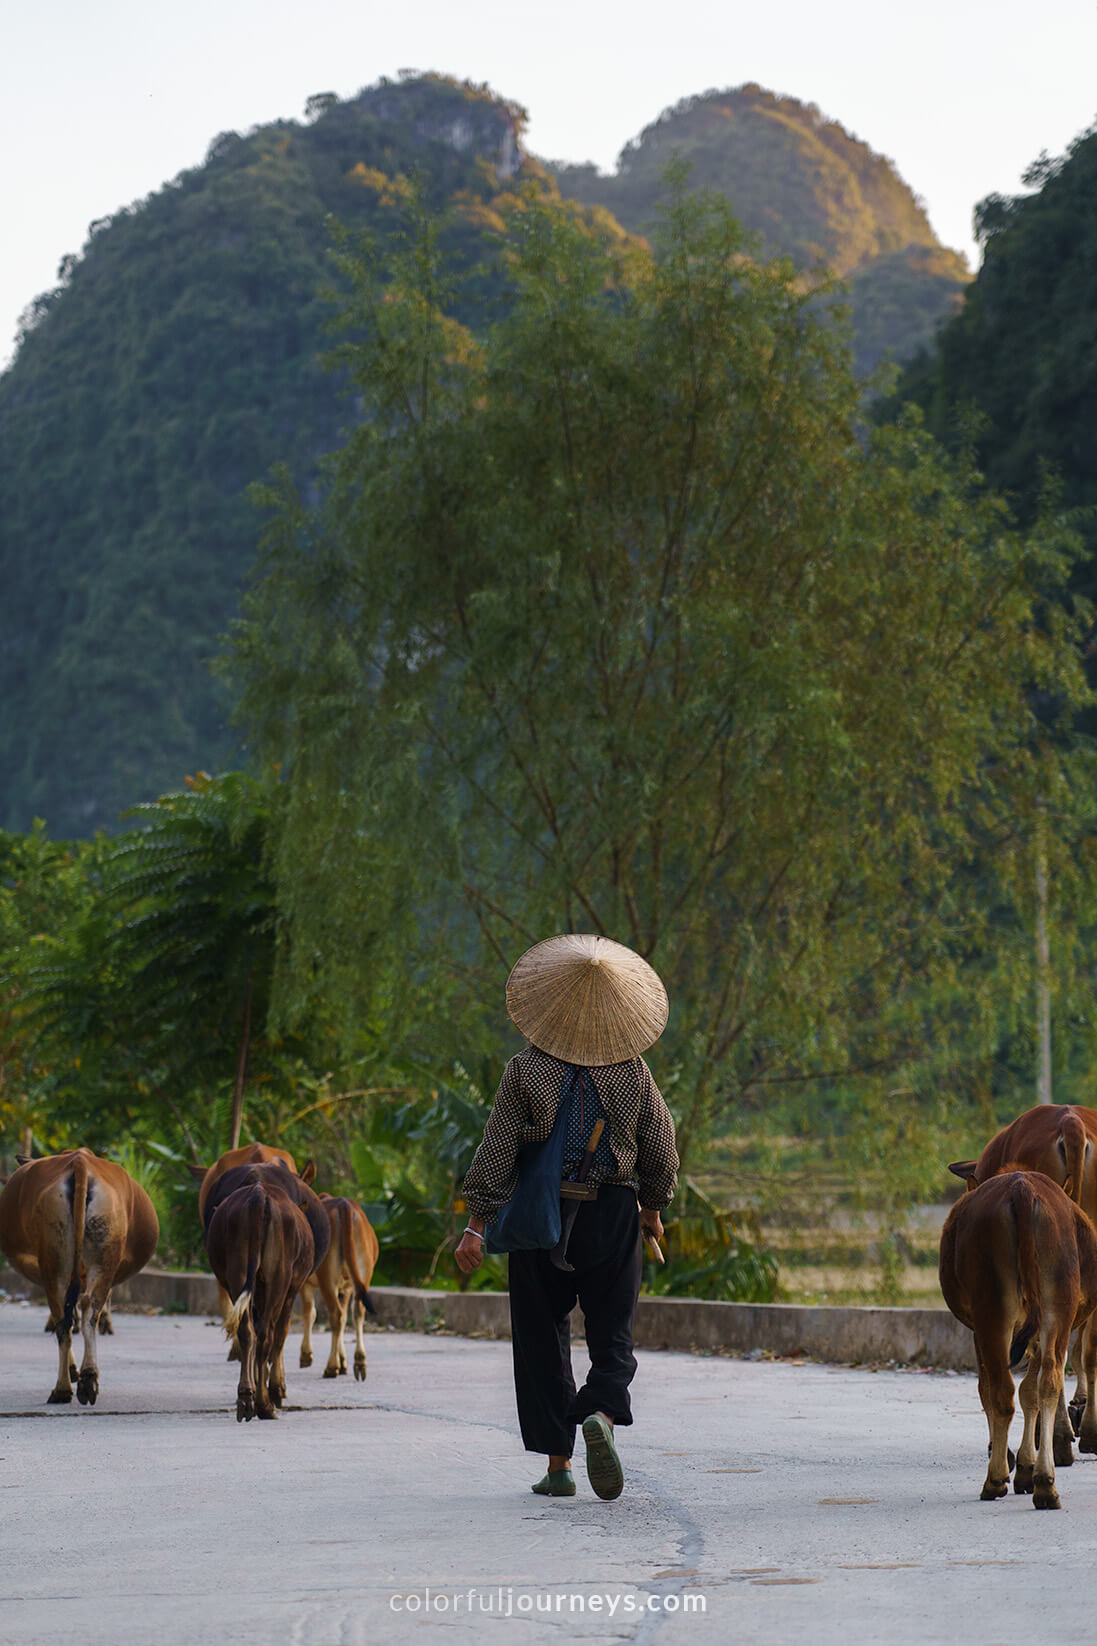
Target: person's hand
{"type": "Point", "coordinates": [651, 1224]}
{"type": "Point", "coordinates": [470, 1252]}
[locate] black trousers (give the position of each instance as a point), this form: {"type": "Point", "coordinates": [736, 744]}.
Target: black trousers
{"type": "Point", "coordinates": [604, 1250]}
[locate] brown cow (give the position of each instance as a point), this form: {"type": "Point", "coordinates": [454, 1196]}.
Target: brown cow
{"type": "Point", "coordinates": [345, 1272]}
{"type": "Point", "coordinates": [1019, 1267]}
{"type": "Point", "coordinates": [1054, 1138]}
{"type": "Point", "coordinates": [275, 1176]}
{"type": "Point", "coordinates": [76, 1225]}
{"type": "Point", "coordinates": [1057, 1139]}
{"type": "Point", "coordinates": [248, 1154]}
{"type": "Point", "coordinates": [261, 1249]}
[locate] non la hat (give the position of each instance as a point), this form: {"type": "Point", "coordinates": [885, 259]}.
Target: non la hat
{"type": "Point", "coordinates": [587, 1000]}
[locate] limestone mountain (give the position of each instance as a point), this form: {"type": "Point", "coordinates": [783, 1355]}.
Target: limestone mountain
{"type": "Point", "coordinates": [176, 361]}
{"type": "Point", "coordinates": [811, 191]}
{"type": "Point", "coordinates": [179, 358]}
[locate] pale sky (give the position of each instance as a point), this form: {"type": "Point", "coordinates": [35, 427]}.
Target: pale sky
{"type": "Point", "coordinates": [101, 103]}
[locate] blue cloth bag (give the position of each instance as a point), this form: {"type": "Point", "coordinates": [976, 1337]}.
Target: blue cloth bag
{"type": "Point", "coordinates": [530, 1220]}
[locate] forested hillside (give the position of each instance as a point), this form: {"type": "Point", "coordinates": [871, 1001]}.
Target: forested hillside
{"type": "Point", "coordinates": [1015, 373]}
{"type": "Point", "coordinates": [178, 360]}
{"type": "Point", "coordinates": [811, 190]}
{"type": "Point", "coordinates": [174, 364]}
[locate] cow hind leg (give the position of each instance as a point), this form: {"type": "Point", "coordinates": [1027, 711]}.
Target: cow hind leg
{"type": "Point", "coordinates": [346, 1303]}
{"type": "Point", "coordinates": [996, 1394]}
{"type": "Point", "coordinates": [245, 1388]}
{"type": "Point", "coordinates": [1049, 1388]}
{"type": "Point", "coordinates": [264, 1404]}
{"type": "Point", "coordinates": [336, 1319]}
{"type": "Point", "coordinates": [1026, 1455]}
{"type": "Point", "coordinates": [106, 1324]}
{"type": "Point", "coordinates": [277, 1381]}
{"type": "Point", "coordinates": [308, 1316]}
{"type": "Point", "coordinates": [1062, 1434]}
{"type": "Point", "coordinates": [359, 1341]}
{"type": "Point", "coordinates": [61, 1393]}
{"type": "Point", "coordinates": [1087, 1344]}
{"type": "Point", "coordinates": [1082, 1385]}
{"type": "Point", "coordinates": [92, 1303]}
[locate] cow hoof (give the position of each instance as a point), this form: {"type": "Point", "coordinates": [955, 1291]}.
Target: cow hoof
{"type": "Point", "coordinates": [106, 1326]}
{"type": "Point", "coordinates": [245, 1407]}
{"type": "Point", "coordinates": [1022, 1478]}
{"type": "Point", "coordinates": [1045, 1496]}
{"type": "Point", "coordinates": [266, 1412]}
{"type": "Point", "coordinates": [359, 1368]}
{"type": "Point", "coordinates": [993, 1489]}
{"type": "Point", "coordinates": [277, 1397]}
{"type": "Point", "coordinates": [87, 1388]}
{"type": "Point", "coordinates": [1087, 1440]}
{"type": "Point", "coordinates": [306, 1358]}
{"type": "Point", "coordinates": [1062, 1452]}
{"type": "Point", "coordinates": [331, 1371]}
{"type": "Point", "coordinates": [1076, 1411]}
{"type": "Point", "coordinates": [59, 1397]}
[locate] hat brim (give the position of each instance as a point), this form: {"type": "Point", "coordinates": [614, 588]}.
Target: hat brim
{"type": "Point", "coordinates": [587, 1000]}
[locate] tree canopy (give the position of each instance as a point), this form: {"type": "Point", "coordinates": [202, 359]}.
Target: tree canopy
{"type": "Point", "coordinates": [1014, 375]}
{"type": "Point", "coordinates": [609, 617]}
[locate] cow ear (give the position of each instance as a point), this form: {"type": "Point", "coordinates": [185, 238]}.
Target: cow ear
{"type": "Point", "coordinates": [963, 1168]}
{"type": "Point", "coordinates": [197, 1172]}
{"type": "Point", "coordinates": [307, 1173]}
{"type": "Point", "coordinates": [972, 1183]}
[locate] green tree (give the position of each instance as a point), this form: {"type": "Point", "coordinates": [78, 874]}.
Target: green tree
{"type": "Point", "coordinates": [151, 1005]}
{"type": "Point", "coordinates": [610, 619]}
{"type": "Point", "coordinates": [45, 888]}
{"type": "Point", "coordinates": [1014, 374]}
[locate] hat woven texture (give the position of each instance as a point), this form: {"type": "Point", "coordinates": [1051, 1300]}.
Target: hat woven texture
{"type": "Point", "coordinates": [587, 1000]}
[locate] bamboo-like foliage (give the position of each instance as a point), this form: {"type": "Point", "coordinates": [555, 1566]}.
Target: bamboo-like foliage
{"type": "Point", "coordinates": [153, 999]}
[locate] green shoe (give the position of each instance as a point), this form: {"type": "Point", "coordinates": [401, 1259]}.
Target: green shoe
{"type": "Point", "coordinates": [560, 1483]}
{"type": "Point", "coordinates": [603, 1465]}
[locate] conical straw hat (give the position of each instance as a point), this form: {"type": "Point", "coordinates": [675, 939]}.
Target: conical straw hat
{"type": "Point", "coordinates": [586, 1000]}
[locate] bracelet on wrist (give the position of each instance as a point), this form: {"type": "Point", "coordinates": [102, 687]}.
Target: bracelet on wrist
{"type": "Point", "coordinates": [470, 1230]}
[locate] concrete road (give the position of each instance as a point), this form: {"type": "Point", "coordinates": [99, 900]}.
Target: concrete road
{"type": "Point", "coordinates": [763, 1503]}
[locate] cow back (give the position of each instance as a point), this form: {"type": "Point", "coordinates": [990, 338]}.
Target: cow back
{"type": "Point", "coordinates": [1054, 1138]}
{"type": "Point", "coordinates": [249, 1154]}
{"type": "Point", "coordinates": [277, 1176]}
{"type": "Point", "coordinates": [41, 1191]}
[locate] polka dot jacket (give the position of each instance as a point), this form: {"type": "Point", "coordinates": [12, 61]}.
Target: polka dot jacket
{"type": "Point", "coordinates": [640, 1153]}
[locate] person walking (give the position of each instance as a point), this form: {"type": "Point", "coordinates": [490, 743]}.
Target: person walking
{"type": "Point", "coordinates": [581, 1091]}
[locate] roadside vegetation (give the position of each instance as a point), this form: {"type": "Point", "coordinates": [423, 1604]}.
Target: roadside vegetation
{"type": "Point", "coordinates": [609, 614]}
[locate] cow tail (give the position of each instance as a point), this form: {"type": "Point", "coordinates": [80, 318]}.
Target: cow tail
{"type": "Point", "coordinates": [1028, 1274]}
{"type": "Point", "coordinates": [258, 1218]}
{"type": "Point", "coordinates": [1073, 1142]}
{"type": "Point", "coordinates": [350, 1257]}
{"type": "Point", "coordinates": [79, 1218]}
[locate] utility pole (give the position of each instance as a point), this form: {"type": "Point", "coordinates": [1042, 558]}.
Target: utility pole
{"type": "Point", "coordinates": [1043, 969]}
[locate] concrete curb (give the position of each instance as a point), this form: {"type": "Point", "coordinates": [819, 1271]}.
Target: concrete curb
{"type": "Point", "coordinates": [857, 1336]}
